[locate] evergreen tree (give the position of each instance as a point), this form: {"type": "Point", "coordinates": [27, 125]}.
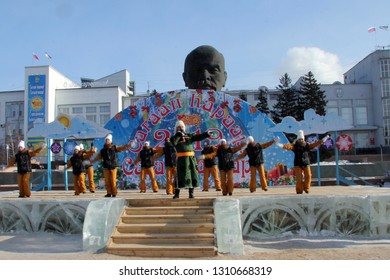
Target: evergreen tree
{"type": "Point", "coordinates": [311, 95]}
{"type": "Point", "coordinates": [243, 96]}
{"type": "Point", "coordinates": [262, 105]}
{"type": "Point", "coordinates": [286, 104]}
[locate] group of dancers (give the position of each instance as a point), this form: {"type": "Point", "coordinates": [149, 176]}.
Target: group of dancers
{"type": "Point", "coordinates": [180, 163]}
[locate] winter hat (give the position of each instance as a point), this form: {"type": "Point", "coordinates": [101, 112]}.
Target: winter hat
{"type": "Point", "coordinates": [223, 141]}
{"type": "Point", "coordinates": [109, 137]}
{"type": "Point", "coordinates": [180, 123]}
{"type": "Point", "coordinates": [21, 144]}
{"type": "Point", "coordinates": [147, 143]}
{"type": "Point", "coordinates": [81, 147]}
{"type": "Point", "coordinates": [250, 139]}
{"type": "Point", "coordinates": [77, 148]}
{"type": "Point", "coordinates": [300, 135]}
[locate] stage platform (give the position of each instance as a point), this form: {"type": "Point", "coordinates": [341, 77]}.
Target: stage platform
{"type": "Point", "coordinates": [315, 191]}
{"type": "Point", "coordinates": [327, 211]}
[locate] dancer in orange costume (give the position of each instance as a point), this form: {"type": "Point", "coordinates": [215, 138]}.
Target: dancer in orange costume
{"type": "Point", "coordinates": [301, 151]}
{"type": "Point", "coordinates": [109, 156]}
{"type": "Point", "coordinates": [23, 161]}
{"type": "Point", "coordinates": [210, 167]}
{"type": "Point", "coordinates": [169, 152]}
{"type": "Point", "coordinates": [147, 167]}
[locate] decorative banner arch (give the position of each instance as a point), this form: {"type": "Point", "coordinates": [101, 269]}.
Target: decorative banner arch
{"type": "Point", "coordinates": [153, 119]}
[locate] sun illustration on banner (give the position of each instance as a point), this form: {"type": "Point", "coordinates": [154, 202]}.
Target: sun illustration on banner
{"type": "Point", "coordinates": [64, 120]}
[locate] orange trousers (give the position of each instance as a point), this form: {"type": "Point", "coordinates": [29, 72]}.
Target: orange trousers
{"type": "Point", "coordinates": [227, 184]}
{"type": "Point", "coordinates": [24, 185]}
{"type": "Point", "coordinates": [263, 181]}
{"type": "Point", "coordinates": [150, 172]}
{"type": "Point", "coordinates": [303, 184]}
{"type": "Point", "coordinates": [79, 184]}
{"type": "Point", "coordinates": [91, 182]}
{"type": "Point", "coordinates": [171, 173]}
{"type": "Point", "coordinates": [213, 171]}
{"type": "Point", "coordinates": [110, 181]}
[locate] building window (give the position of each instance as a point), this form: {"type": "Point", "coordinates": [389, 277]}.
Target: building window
{"type": "Point", "coordinates": [346, 115]}
{"type": "Point", "coordinates": [91, 118]}
{"type": "Point", "coordinates": [361, 114]}
{"type": "Point", "coordinates": [90, 109]}
{"type": "Point", "coordinates": [62, 110]}
{"type": "Point", "coordinates": [77, 110]}
{"type": "Point", "coordinates": [104, 119]}
{"type": "Point", "coordinates": [362, 140]}
{"type": "Point", "coordinates": [386, 107]}
{"type": "Point", "coordinates": [332, 110]}
{"type": "Point", "coordinates": [385, 88]}
{"type": "Point", "coordinates": [105, 109]}
{"type": "Point", "coordinates": [385, 68]}
{"type": "Point", "coordinates": [386, 127]}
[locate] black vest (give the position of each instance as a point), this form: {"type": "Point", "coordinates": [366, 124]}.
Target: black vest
{"type": "Point", "coordinates": [23, 161]}
{"type": "Point", "coordinates": [225, 159]}
{"type": "Point", "coordinates": [77, 164]}
{"type": "Point", "coordinates": [169, 155]}
{"type": "Point", "coordinates": [110, 157]}
{"type": "Point", "coordinates": [146, 156]}
{"type": "Point", "coordinates": [255, 154]}
{"type": "Point", "coordinates": [301, 153]}
{"type": "Point", "coordinates": [209, 162]}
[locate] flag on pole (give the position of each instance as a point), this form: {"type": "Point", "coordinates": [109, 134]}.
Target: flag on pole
{"type": "Point", "coordinates": [35, 56]}
{"type": "Point", "coordinates": [384, 27]}
{"type": "Point", "coordinates": [47, 55]}
{"type": "Point", "coordinates": [371, 29]}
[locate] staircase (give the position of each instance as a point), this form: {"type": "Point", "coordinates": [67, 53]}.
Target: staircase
{"type": "Point", "coordinates": [173, 228]}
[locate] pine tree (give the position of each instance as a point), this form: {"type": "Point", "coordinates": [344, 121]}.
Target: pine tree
{"type": "Point", "coordinates": [262, 105]}
{"type": "Point", "coordinates": [286, 104]}
{"type": "Point", "coordinates": [312, 96]}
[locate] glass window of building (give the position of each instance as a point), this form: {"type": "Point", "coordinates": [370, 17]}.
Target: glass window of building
{"type": "Point", "coordinates": [386, 107]}
{"type": "Point", "coordinates": [385, 88]}
{"type": "Point", "coordinates": [77, 110]}
{"type": "Point", "coordinates": [384, 68]}
{"type": "Point", "coordinates": [362, 140]}
{"type": "Point", "coordinates": [346, 115]}
{"type": "Point", "coordinates": [332, 110]}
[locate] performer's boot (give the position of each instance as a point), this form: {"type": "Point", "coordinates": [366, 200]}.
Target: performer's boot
{"type": "Point", "coordinates": [177, 192]}
{"type": "Point", "coordinates": [191, 193]}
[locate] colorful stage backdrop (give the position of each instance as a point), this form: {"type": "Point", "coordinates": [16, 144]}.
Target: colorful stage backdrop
{"type": "Point", "coordinates": [153, 119]}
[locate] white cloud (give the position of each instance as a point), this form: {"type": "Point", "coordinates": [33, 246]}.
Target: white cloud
{"type": "Point", "coordinates": [324, 65]}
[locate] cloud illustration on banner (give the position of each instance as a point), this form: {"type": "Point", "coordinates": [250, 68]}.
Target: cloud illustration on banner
{"type": "Point", "coordinates": [312, 124]}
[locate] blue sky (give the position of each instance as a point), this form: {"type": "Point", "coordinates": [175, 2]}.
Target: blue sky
{"type": "Point", "coordinates": [260, 39]}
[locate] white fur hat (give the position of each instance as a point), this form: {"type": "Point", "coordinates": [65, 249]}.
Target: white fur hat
{"type": "Point", "coordinates": [250, 139]}
{"type": "Point", "coordinates": [77, 148]}
{"type": "Point", "coordinates": [301, 135]}
{"type": "Point", "coordinates": [81, 147]}
{"type": "Point", "coordinates": [222, 141]}
{"type": "Point", "coordinates": [180, 123]}
{"type": "Point", "coordinates": [21, 144]}
{"type": "Point", "coordinates": [109, 137]}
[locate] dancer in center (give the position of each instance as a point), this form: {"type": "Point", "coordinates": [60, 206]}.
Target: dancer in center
{"type": "Point", "coordinates": [187, 171]}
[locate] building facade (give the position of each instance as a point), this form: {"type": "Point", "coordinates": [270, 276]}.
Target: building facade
{"type": "Point", "coordinates": [362, 101]}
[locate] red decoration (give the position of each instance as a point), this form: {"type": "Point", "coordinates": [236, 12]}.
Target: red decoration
{"type": "Point", "coordinates": [344, 143]}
